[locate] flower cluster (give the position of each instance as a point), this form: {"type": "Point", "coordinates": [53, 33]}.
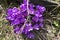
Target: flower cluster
{"type": "Point", "coordinates": [18, 18]}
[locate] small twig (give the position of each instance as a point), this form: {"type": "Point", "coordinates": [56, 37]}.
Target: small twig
{"type": "Point", "coordinates": [58, 5]}
{"type": "Point", "coordinates": [50, 5]}
{"type": "Point", "coordinates": [53, 9]}
{"type": "Point", "coordinates": [40, 35]}
{"type": "Point", "coordinates": [37, 36]}
{"type": "Point", "coordinates": [54, 2]}
{"type": "Point", "coordinates": [27, 17]}
{"type": "Point", "coordinates": [17, 37]}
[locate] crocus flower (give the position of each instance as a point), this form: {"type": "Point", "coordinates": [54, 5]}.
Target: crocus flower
{"type": "Point", "coordinates": [17, 18]}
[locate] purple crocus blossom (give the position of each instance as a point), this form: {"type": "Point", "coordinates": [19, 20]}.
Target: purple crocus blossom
{"type": "Point", "coordinates": [35, 18]}
{"type": "Point", "coordinates": [16, 29]}
{"type": "Point", "coordinates": [17, 18]}
{"type": "Point", "coordinates": [36, 27]}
